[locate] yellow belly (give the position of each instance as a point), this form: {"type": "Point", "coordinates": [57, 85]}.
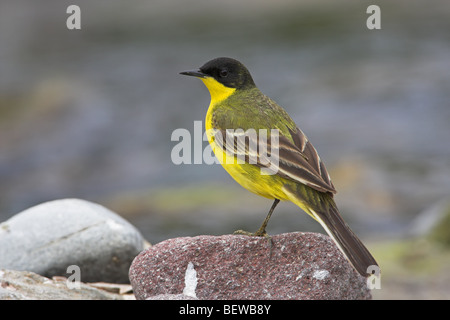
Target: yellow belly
{"type": "Point", "coordinates": [247, 175]}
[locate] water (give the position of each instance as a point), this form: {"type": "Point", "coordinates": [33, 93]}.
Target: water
{"type": "Point", "coordinates": [90, 113]}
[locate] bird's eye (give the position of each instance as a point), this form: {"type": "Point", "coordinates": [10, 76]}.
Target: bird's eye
{"type": "Point", "coordinates": [223, 73]}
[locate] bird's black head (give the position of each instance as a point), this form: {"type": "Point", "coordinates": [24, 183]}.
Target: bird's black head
{"type": "Point", "coordinates": [229, 72]}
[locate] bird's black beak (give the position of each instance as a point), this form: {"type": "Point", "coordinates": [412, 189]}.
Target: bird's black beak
{"type": "Point", "coordinates": [194, 73]}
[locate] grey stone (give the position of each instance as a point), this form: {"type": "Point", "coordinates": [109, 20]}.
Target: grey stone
{"type": "Point", "coordinates": [24, 285]}
{"type": "Point", "coordinates": [294, 266]}
{"type": "Point", "coordinates": [50, 237]}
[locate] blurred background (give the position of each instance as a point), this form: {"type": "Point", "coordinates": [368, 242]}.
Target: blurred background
{"type": "Point", "coordinates": [89, 114]}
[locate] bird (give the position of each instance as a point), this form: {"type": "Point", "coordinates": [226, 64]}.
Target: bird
{"type": "Point", "coordinates": [275, 159]}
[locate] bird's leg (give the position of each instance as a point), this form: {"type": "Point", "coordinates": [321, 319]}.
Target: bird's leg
{"type": "Point", "coordinates": [262, 230]}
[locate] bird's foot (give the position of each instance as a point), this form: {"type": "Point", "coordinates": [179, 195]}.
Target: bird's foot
{"type": "Point", "coordinates": [259, 233]}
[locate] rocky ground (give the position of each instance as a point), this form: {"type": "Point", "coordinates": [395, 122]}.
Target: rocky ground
{"type": "Point", "coordinates": [25, 285]}
{"type": "Point", "coordinates": [74, 249]}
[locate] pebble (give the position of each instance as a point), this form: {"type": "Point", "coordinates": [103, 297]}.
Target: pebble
{"type": "Point", "coordinates": [70, 237]}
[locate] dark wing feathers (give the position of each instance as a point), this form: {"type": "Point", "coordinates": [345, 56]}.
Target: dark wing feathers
{"type": "Point", "coordinates": [308, 150]}
{"type": "Point", "coordinates": [296, 161]}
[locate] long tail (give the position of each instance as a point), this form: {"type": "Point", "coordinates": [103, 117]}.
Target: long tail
{"type": "Point", "coordinates": [322, 208]}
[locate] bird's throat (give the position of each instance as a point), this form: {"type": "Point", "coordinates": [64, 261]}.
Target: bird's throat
{"type": "Point", "coordinates": [218, 91]}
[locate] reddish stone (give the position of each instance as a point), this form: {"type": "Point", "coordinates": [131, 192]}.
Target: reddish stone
{"type": "Point", "coordinates": [296, 266]}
